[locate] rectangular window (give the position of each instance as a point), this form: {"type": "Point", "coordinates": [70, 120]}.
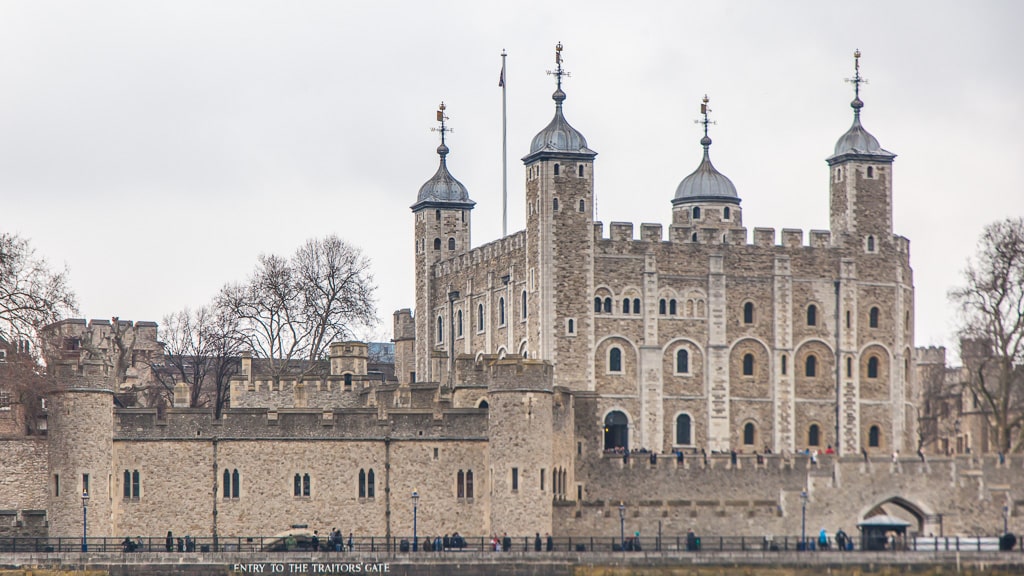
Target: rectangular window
{"type": "Point", "coordinates": [136, 484]}
{"type": "Point", "coordinates": [56, 484]}
{"type": "Point", "coordinates": [541, 479]}
{"type": "Point", "coordinates": [579, 448]}
{"type": "Point", "coordinates": [435, 453]}
{"type": "Point", "coordinates": [579, 493]}
{"type": "Point", "coordinates": [5, 401]}
{"type": "Point", "coordinates": [515, 479]}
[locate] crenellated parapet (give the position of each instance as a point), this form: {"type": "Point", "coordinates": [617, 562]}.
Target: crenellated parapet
{"type": "Point", "coordinates": [482, 255]}
{"type": "Point", "coordinates": [101, 354]}
{"type": "Point", "coordinates": [621, 238]}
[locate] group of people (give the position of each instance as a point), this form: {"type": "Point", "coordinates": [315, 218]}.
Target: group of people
{"type": "Point", "coordinates": [455, 541]}
{"type": "Point", "coordinates": [336, 541]}
{"type": "Point", "coordinates": [843, 542]}
{"type": "Point", "coordinates": [186, 544]}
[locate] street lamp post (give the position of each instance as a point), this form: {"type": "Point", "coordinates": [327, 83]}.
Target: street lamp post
{"type": "Point", "coordinates": [415, 504]}
{"type": "Point", "coordinates": [622, 526]}
{"type": "Point", "coordinates": [803, 520]}
{"type": "Point", "coordinates": [85, 521]}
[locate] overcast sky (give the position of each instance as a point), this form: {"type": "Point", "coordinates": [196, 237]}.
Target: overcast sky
{"type": "Point", "coordinates": [157, 148]}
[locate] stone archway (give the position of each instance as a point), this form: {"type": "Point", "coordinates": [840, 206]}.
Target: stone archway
{"type": "Point", "coordinates": [921, 520]}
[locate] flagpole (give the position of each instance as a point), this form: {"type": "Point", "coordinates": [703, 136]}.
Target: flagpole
{"type": "Point", "coordinates": [504, 152]}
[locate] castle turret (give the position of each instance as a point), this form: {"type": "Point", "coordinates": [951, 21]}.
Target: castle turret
{"type": "Point", "coordinates": [860, 183]}
{"type": "Point", "coordinates": [706, 199]}
{"type": "Point", "coordinates": [560, 245]}
{"type": "Point", "coordinates": [442, 231]}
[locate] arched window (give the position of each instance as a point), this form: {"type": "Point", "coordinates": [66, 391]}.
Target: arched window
{"type": "Point", "coordinates": [440, 329]}
{"type": "Point", "coordinates": [811, 366]}
{"type": "Point", "coordinates": [554, 204]}
{"type": "Point", "coordinates": [696, 212]}
{"type": "Point", "coordinates": [683, 430]}
{"type": "Point", "coordinates": [460, 483]}
{"type": "Point", "coordinates": [672, 307]}
{"type": "Point", "coordinates": [305, 484]}
{"type": "Point", "coordinates": [607, 304]}
{"type": "Point", "coordinates": [583, 205]}
{"type": "Point", "coordinates": [128, 484]}
{"type": "Point", "coordinates": [783, 364]}
{"type": "Point", "coordinates": [556, 169]}
{"type": "Point", "coordinates": [524, 304]}
{"type": "Point", "coordinates": [362, 483]}
{"type": "Point", "coordinates": [871, 243]}
{"type": "Point", "coordinates": [693, 237]}
{"type": "Point", "coordinates": [749, 434]}
{"type": "Point", "coordinates": [451, 243]}
{"type": "Point", "coordinates": [615, 360]}
{"type": "Point", "coordinates": [479, 317]}
{"type": "Point", "coordinates": [616, 431]}
{"type": "Point", "coordinates": [297, 485]}
{"type": "Point", "coordinates": [625, 305]}
{"type": "Point", "coordinates": [873, 367]}
{"type": "Point", "coordinates": [748, 364]}
{"type": "Point", "coordinates": [849, 367]}
{"type": "Point", "coordinates": [370, 485]}
{"type": "Point", "coordinates": [874, 437]}
{"type": "Point", "coordinates": [726, 213]}
{"type": "Point", "coordinates": [483, 405]}
{"type": "Point", "coordinates": [236, 483]}
{"type": "Point", "coordinates": [748, 313]}
{"type": "Point", "coordinates": [812, 315]}
{"type": "Point", "coordinates": [873, 317]}
{"type": "Point", "coordinates": [571, 326]}
{"type": "Point", "coordinates": [501, 311]}
{"type": "Point", "coordinates": [636, 305]}
{"type": "Point", "coordinates": [469, 484]}
{"type": "Point", "coordinates": [682, 362]}
{"type": "Point", "coordinates": [437, 243]}
{"type": "Point", "coordinates": [847, 318]}
{"type": "Point", "coordinates": [662, 307]}
{"type": "Point", "coordinates": [581, 170]}
{"type": "Point", "coordinates": [597, 303]}
{"type": "Point", "coordinates": [871, 171]}
{"type": "Point", "coordinates": [437, 215]}
{"type": "Point", "coordinates": [227, 484]}
{"type": "Point", "coordinates": [458, 323]}
{"type": "Point", "coordinates": [812, 435]}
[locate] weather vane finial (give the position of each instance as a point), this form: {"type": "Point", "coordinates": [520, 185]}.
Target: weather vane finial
{"type": "Point", "coordinates": [705, 110]}
{"type": "Point", "coordinates": [441, 117]}
{"type": "Point", "coordinates": [558, 72]}
{"type": "Point", "coordinates": [857, 104]}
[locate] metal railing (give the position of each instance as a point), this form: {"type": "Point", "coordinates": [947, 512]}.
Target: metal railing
{"type": "Point", "coordinates": [521, 544]}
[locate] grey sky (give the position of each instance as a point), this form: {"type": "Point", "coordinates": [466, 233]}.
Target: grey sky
{"type": "Point", "coordinates": [158, 147]}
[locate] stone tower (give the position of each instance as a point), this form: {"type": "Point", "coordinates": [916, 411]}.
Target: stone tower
{"type": "Point", "coordinates": [520, 433]}
{"type": "Point", "coordinates": [405, 342]}
{"type": "Point", "coordinates": [706, 201]}
{"type": "Point", "coordinates": [560, 246]}
{"type": "Point", "coordinates": [861, 183]}
{"type": "Point", "coordinates": [442, 231]}
{"type": "Point", "coordinates": [80, 418]}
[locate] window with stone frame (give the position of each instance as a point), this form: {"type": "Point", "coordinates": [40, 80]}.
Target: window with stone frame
{"type": "Point", "coordinates": [811, 366]}
{"type": "Point", "coordinates": [682, 361]}
{"type": "Point", "coordinates": [873, 317]}
{"type": "Point", "coordinates": [814, 435]}
{"type": "Point", "coordinates": [748, 364]}
{"type": "Point", "coordinates": [873, 367]}
{"type": "Point", "coordinates": [684, 426]}
{"type": "Point", "coordinates": [812, 315]}
{"type": "Point", "coordinates": [615, 360]}
{"type": "Point", "coordinates": [749, 434]}
{"type": "Point", "coordinates": [501, 311]}
{"type": "Point", "coordinates": [874, 437]}
{"type": "Point", "coordinates": [748, 313]}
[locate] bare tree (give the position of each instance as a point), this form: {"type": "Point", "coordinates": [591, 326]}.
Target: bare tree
{"type": "Point", "coordinates": [31, 295]}
{"type": "Point", "coordinates": [992, 330]}
{"type": "Point", "coordinates": [200, 350]}
{"type": "Point", "coordinates": [291, 310]}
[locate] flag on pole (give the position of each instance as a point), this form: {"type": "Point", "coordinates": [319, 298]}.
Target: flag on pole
{"type": "Point", "coordinates": [501, 78]}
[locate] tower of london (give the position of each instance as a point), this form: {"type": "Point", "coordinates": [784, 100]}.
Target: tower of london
{"type": "Point", "coordinates": [544, 378]}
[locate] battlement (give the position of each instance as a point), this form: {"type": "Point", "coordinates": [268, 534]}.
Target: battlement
{"type": "Point", "coordinates": [199, 424]}
{"type": "Point", "coordinates": [335, 391]}
{"type": "Point", "coordinates": [931, 355]}
{"type": "Point", "coordinates": [620, 236]}
{"type": "Point", "coordinates": [482, 254]}
{"type": "Point", "coordinates": [508, 373]}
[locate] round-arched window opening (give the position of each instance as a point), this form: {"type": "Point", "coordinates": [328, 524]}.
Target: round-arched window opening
{"type": "Point", "coordinates": [616, 431]}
